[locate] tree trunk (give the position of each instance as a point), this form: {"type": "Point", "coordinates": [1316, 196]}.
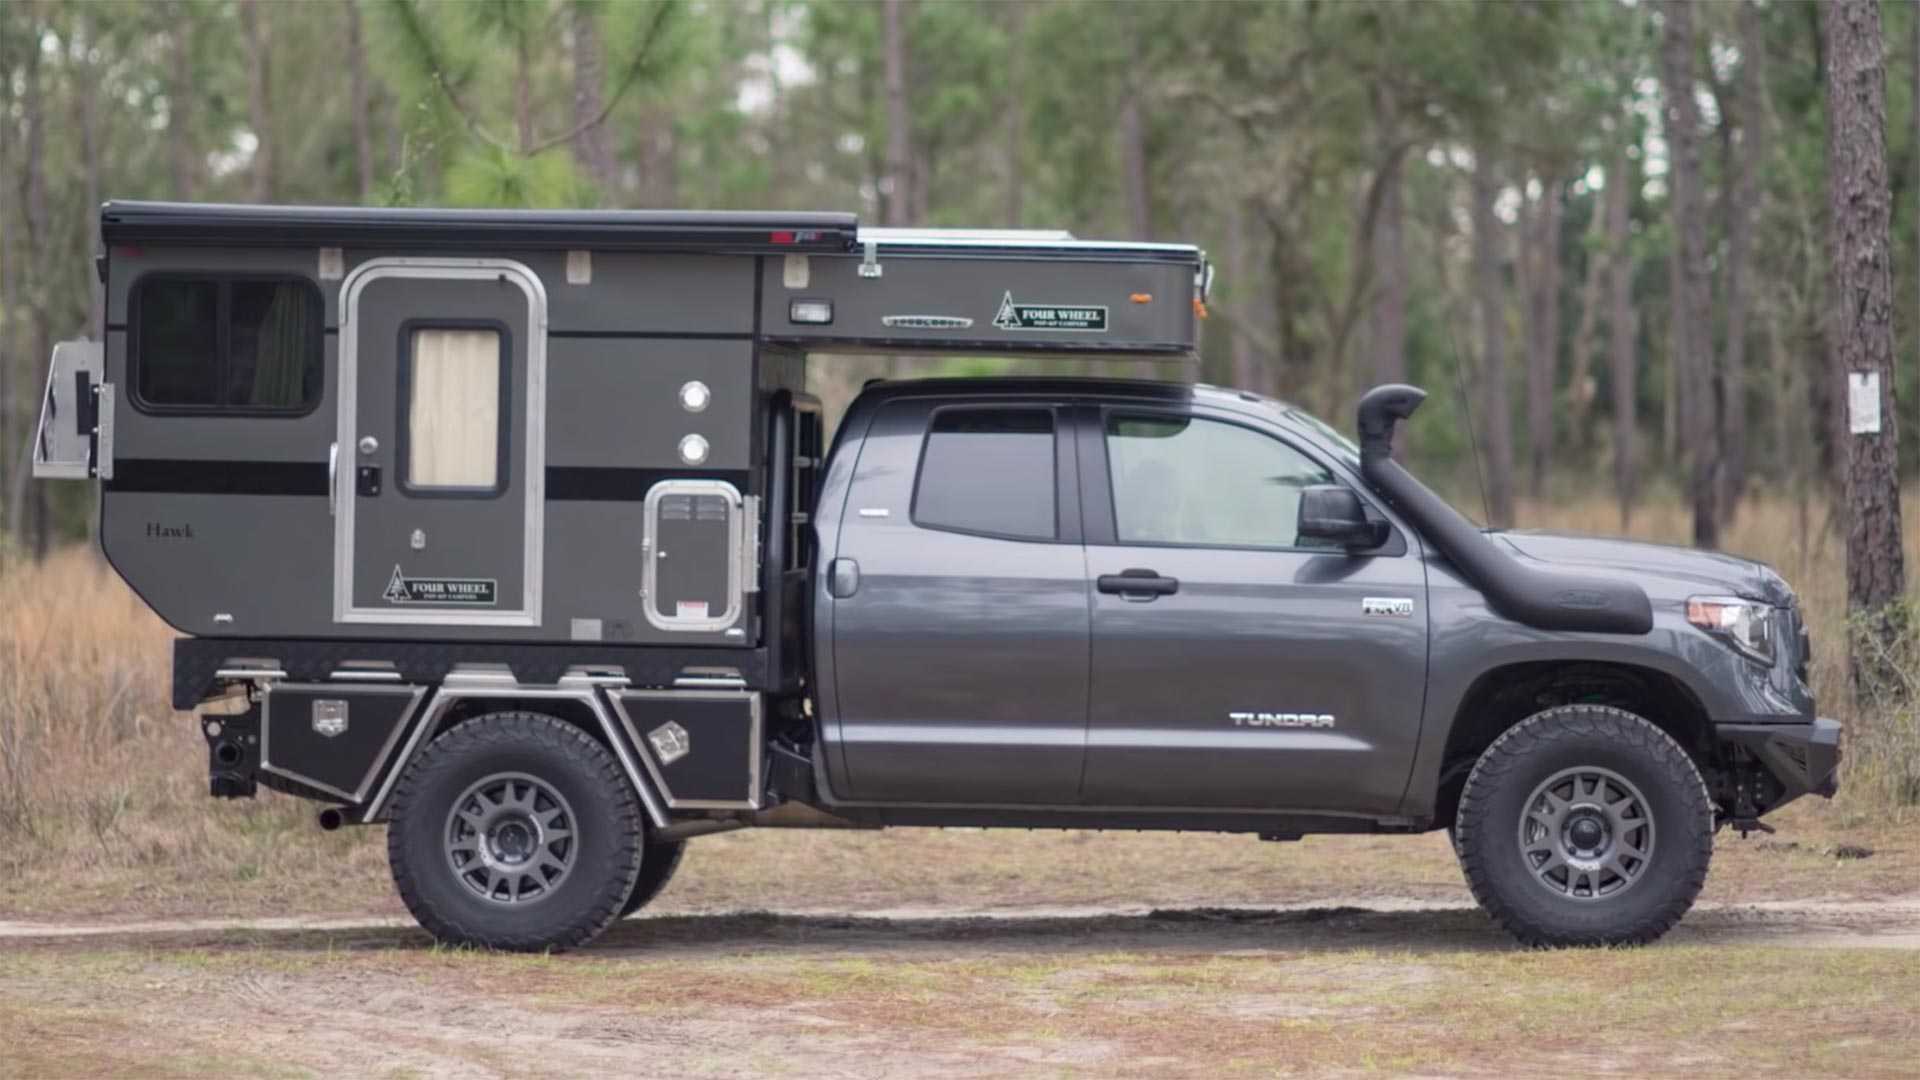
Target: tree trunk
{"type": "Point", "coordinates": [1493, 406]}
{"type": "Point", "coordinates": [591, 150]}
{"type": "Point", "coordinates": [1133, 167]}
{"type": "Point", "coordinates": [259, 38]}
{"type": "Point", "coordinates": [1543, 335]}
{"type": "Point", "coordinates": [362, 118]}
{"type": "Point", "coordinates": [1388, 317]}
{"type": "Point", "coordinates": [896, 187]}
{"type": "Point", "coordinates": [1692, 316]}
{"type": "Point", "coordinates": [1744, 166]}
{"type": "Point", "coordinates": [1860, 319]}
{"type": "Point", "coordinates": [1016, 112]}
{"type": "Point", "coordinates": [182, 143]}
{"type": "Point", "coordinates": [86, 120]}
{"type": "Point", "coordinates": [1622, 333]}
{"type": "Point", "coordinates": [1586, 333]}
{"type": "Point", "coordinates": [523, 88]}
{"type": "Point", "coordinates": [1244, 352]}
{"type": "Point", "coordinates": [26, 501]}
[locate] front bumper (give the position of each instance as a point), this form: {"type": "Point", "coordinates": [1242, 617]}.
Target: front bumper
{"type": "Point", "coordinates": [1803, 757]}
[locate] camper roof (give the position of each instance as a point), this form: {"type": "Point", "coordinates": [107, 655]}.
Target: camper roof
{"type": "Point", "coordinates": [123, 222]}
{"type": "Point", "coordinates": [776, 232]}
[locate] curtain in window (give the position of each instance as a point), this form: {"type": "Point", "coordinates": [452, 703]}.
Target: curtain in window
{"type": "Point", "coordinates": [280, 367]}
{"type": "Point", "coordinates": [453, 417]}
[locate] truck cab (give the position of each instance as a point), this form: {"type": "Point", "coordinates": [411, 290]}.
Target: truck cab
{"type": "Point", "coordinates": [1056, 561]}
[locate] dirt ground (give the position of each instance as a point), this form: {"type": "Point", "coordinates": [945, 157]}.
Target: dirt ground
{"type": "Point", "coordinates": [963, 953]}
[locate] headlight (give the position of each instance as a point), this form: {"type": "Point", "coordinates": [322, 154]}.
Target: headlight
{"type": "Point", "coordinates": [1748, 625]}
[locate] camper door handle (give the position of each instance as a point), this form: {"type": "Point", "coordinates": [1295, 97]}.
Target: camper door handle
{"type": "Point", "coordinates": [333, 479]}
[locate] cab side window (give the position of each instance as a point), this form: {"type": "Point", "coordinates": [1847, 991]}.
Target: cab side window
{"type": "Point", "coordinates": [1194, 481]}
{"type": "Point", "coordinates": [989, 471]}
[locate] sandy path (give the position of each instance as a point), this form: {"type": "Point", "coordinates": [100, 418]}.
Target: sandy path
{"type": "Point", "coordinates": [1371, 922]}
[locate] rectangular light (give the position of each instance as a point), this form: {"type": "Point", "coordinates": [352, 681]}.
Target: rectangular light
{"type": "Point", "coordinates": [815, 312]}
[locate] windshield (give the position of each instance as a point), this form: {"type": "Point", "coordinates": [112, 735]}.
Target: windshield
{"type": "Point", "coordinates": [1325, 431]}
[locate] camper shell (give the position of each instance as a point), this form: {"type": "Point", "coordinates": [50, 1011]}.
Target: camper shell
{"type": "Point", "coordinates": [271, 483]}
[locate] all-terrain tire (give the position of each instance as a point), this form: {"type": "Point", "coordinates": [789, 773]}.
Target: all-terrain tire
{"type": "Point", "coordinates": [656, 869]}
{"type": "Point", "coordinates": [604, 829]}
{"type": "Point", "coordinates": [1504, 791]}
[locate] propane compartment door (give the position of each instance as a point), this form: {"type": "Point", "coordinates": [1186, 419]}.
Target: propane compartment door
{"type": "Point", "coordinates": [439, 469]}
{"type": "Point", "coordinates": [701, 747]}
{"type": "Point", "coordinates": [697, 535]}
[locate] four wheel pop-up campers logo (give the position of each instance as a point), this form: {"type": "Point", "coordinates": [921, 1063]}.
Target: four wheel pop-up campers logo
{"type": "Point", "coordinates": [402, 589]}
{"type": "Point", "coordinates": [1081, 317]}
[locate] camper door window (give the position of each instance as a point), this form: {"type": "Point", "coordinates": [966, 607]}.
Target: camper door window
{"type": "Point", "coordinates": [454, 389]}
{"type": "Point", "coordinates": [226, 345]}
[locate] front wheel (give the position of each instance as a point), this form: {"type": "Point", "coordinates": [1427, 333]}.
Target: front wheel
{"type": "Point", "coordinates": [1585, 825]}
{"type": "Point", "coordinates": [515, 831]}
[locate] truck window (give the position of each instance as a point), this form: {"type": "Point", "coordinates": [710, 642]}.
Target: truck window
{"type": "Point", "coordinates": [1194, 481]}
{"type": "Point", "coordinates": [226, 345]}
{"type": "Point", "coordinates": [988, 471]}
{"type": "Point", "coordinates": [455, 382]}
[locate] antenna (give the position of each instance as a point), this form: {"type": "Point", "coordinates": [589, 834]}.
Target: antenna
{"type": "Point", "coordinates": [1473, 442]}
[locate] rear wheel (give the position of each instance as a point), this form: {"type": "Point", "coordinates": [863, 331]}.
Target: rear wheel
{"type": "Point", "coordinates": [655, 871]}
{"type": "Point", "coordinates": [515, 831]}
{"type": "Point", "coordinates": [1585, 825]}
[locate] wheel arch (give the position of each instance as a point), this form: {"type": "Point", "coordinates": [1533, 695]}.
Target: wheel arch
{"type": "Point", "coordinates": [1504, 696]}
{"type": "Point", "coordinates": [581, 707]}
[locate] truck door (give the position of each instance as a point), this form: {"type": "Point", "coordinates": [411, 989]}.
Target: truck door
{"type": "Point", "coordinates": [438, 468]}
{"type": "Point", "coordinates": [1232, 667]}
{"type": "Point", "coordinates": [959, 609]}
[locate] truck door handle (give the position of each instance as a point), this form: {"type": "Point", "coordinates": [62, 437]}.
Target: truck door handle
{"type": "Point", "coordinates": [1138, 584]}
{"type": "Point", "coordinates": [843, 578]}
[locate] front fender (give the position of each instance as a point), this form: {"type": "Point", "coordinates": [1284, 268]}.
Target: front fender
{"type": "Point", "coordinates": [1469, 642]}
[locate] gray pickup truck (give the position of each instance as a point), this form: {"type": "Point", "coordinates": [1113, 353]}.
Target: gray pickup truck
{"type": "Point", "coordinates": [516, 532]}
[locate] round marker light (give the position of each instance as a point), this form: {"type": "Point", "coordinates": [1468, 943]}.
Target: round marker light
{"type": "Point", "coordinates": [693, 450]}
{"type": "Point", "coordinates": [694, 396]}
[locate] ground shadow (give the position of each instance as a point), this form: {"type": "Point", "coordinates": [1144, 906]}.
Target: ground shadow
{"type": "Point", "coordinates": [1180, 929]}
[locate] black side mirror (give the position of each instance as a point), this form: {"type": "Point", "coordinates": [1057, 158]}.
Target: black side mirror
{"type": "Point", "coordinates": [1334, 513]}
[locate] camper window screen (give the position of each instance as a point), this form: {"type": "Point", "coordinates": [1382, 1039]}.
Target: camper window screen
{"type": "Point", "coordinates": [214, 345]}
{"type": "Point", "coordinates": [454, 417]}
{"type": "Point", "coordinates": [989, 471]}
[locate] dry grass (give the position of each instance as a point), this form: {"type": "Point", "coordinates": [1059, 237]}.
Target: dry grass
{"type": "Point", "coordinates": [1284, 998]}
{"type": "Point", "coordinates": [103, 806]}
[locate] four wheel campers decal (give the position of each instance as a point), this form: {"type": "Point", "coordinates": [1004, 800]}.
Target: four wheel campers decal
{"type": "Point", "coordinates": [1080, 317]}
{"type": "Point", "coordinates": [401, 589]}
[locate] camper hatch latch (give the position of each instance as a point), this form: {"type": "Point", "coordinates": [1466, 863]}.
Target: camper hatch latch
{"type": "Point", "coordinates": [870, 263]}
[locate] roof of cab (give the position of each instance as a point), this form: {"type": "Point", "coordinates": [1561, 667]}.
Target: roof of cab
{"type": "Point", "coordinates": [133, 222]}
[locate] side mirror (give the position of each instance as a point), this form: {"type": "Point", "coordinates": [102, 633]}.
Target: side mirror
{"type": "Point", "coordinates": [1334, 513]}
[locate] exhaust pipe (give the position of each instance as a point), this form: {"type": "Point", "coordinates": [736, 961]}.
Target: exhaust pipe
{"type": "Point", "coordinates": [1520, 590]}
{"type": "Point", "coordinates": [331, 818]}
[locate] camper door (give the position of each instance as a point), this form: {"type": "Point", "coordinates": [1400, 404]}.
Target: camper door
{"type": "Point", "coordinates": [438, 470]}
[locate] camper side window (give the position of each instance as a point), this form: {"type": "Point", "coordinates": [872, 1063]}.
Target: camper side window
{"type": "Point", "coordinates": [454, 385]}
{"type": "Point", "coordinates": [226, 345]}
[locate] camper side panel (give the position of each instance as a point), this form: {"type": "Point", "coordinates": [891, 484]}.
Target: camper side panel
{"type": "Point", "coordinates": [219, 513]}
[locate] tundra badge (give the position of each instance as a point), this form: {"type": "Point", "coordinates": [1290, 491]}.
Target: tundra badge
{"type": "Point", "coordinates": [1281, 719]}
{"type": "Point", "coordinates": [1394, 607]}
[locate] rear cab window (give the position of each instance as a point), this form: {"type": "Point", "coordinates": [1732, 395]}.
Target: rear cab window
{"type": "Point", "coordinates": [990, 471]}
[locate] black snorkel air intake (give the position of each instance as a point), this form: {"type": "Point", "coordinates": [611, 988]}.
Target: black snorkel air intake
{"type": "Point", "coordinates": [1519, 590]}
